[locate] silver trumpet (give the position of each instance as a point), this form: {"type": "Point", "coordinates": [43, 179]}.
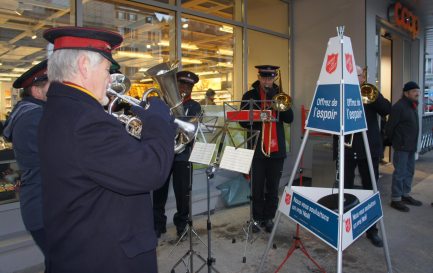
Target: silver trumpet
{"type": "Point", "coordinates": [165, 75]}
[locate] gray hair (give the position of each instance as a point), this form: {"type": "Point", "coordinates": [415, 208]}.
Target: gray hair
{"type": "Point", "coordinates": [63, 65]}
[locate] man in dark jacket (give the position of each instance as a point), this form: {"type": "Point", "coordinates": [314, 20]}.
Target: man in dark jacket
{"type": "Point", "coordinates": [22, 128]}
{"type": "Point", "coordinates": [181, 169]}
{"type": "Point", "coordinates": [96, 177]}
{"type": "Point", "coordinates": [402, 129]}
{"type": "Point", "coordinates": [355, 156]}
{"type": "Point", "coordinates": [266, 169]}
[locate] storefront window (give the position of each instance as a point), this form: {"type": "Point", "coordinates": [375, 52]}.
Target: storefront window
{"type": "Point", "coordinates": [228, 9]}
{"type": "Point", "coordinates": [209, 51]}
{"type": "Point", "coordinates": [269, 14]}
{"type": "Point", "coordinates": [149, 37]}
{"type": "Point", "coordinates": [21, 47]}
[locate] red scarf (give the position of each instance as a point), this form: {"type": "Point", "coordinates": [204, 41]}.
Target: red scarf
{"type": "Point", "coordinates": [269, 126]}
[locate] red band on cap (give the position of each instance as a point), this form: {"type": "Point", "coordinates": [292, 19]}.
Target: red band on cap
{"type": "Point", "coordinates": [80, 42]}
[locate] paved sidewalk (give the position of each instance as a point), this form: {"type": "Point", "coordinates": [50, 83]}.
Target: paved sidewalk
{"type": "Point", "coordinates": [409, 237]}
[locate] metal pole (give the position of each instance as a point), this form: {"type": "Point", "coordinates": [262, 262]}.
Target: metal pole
{"type": "Point", "coordinates": [373, 183]}
{"type": "Point", "coordinates": [292, 176]}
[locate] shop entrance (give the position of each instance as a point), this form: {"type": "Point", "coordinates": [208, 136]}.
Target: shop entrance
{"type": "Point", "coordinates": [386, 79]}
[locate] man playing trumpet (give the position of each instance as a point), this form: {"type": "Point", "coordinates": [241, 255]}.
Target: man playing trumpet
{"type": "Point", "coordinates": [96, 177]}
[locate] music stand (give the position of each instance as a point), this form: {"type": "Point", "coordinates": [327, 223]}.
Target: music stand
{"type": "Point", "coordinates": [250, 112]}
{"type": "Point", "coordinates": [203, 158]}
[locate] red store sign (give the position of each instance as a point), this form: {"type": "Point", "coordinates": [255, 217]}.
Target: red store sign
{"type": "Point", "coordinates": [404, 18]}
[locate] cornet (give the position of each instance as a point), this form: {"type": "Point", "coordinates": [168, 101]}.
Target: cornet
{"type": "Point", "coordinates": [165, 76]}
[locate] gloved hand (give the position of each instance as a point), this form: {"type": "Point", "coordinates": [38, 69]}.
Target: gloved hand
{"type": "Point", "coordinates": [156, 108]}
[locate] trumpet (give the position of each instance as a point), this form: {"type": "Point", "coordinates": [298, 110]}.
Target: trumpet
{"type": "Point", "coordinates": [165, 76]}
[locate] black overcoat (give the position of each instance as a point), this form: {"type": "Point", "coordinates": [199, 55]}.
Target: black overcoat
{"type": "Point", "coordinates": [283, 117]}
{"type": "Point", "coordinates": [96, 182]}
{"type": "Point", "coordinates": [382, 107]}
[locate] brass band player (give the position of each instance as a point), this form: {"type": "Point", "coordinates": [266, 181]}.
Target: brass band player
{"type": "Point", "coordinates": [270, 152]}
{"type": "Point", "coordinates": [355, 156]}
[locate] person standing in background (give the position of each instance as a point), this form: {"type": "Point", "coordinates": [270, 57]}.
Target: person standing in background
{"type": "Point", "coordinates": [22, 129]}
{"type": "Point", "coordinates": [402, 129]}
{"type": "Point", "coordinates": [181, 169]}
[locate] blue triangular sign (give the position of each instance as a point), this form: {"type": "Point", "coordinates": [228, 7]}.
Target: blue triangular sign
{"type": "Point", "coordinates": [337, 83]}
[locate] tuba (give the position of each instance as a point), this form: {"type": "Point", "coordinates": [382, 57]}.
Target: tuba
{"type": "Point", "coordinates": [165, 75]}
{"type": "Point", "coordinates": [369, 92]}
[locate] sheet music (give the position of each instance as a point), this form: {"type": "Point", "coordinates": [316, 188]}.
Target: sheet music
{"type": "Point", "coordinates": [238, 160]}
{"type": "Point", "coordinates": [202, 153]}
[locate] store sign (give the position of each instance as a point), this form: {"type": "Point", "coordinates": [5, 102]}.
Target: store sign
{"type": "Point", "coordinates": [404, 18]}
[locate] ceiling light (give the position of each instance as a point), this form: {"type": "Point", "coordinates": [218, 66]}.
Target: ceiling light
{"type": "Point", "coordinates": [185, 25]}
{"type": "Point", "coordinates": [227, 29]}
{"type": "Point", "coordinates": [227, 64]}
{"type": "Point", "coordinates": [203, 73]}
{"type": "Point", "coordinates": [191, 61]}
{"type": "Point", "coordinates": [227, 52]}
{"type": "Point", "coordinates": [163, 43]}
{"type": "Point", "coordinates": [143, 69]}
{"type": "Point", "coordinates": [10, 75]}
{"type": "Point", "coordinates": [35, 62]}
{"type": "Point", "coordinates": [183, 45]}
{"type": "Point", "coordinates": [34, 36]}
{"type": "Point", "coordinates": [130, 54]}
{"type": "Point", "coordinates": [189, 46]}
{"type": "Point", "coordinates": [148, 46]}
{"type": "Point", "coordinates": [146, 80]}
{"type": "Point", "coordinates": [1, 64]}
{"type": "Point", "coordinates": [19, 69]}
{"type": "Point", "coordinates": [19, 11]}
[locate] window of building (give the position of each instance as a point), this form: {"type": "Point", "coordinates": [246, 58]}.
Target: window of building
{"type": "Point", "coordinates": [21, 47]}
{"type": "Point", "coordinates": [148, 33]}
{"type": "Point", "coordinates": [208, 49]}
{"type": "Point", "coordinates": [228, 9]}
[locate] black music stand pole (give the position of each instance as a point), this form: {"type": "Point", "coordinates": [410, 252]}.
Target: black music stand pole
{"type": "Point", "coordinates": [190, 230]}
{"type": "Point", "coordinates": [210, 260]}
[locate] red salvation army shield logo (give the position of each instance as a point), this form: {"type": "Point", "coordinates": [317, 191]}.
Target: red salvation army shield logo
{"type": "Point", "coordinates": [349, 63]}
{"type": "Point", "coordinates": [347, 224]}
{"type": "Point", "coordinates": [331, 63]}
{"type": "Point", "coordinates": [288, 198]}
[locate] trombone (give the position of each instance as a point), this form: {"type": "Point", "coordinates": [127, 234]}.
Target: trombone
{"type": "Point", "coordinates": [280, 102]}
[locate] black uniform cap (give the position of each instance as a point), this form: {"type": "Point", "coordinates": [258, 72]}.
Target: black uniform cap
{"type": "Point", "coordinates": [93, 39]}
{"type": "Point", "coordinates": [37, 73]}
{"type": "Point", "coordinates": [187, 77]}
{"type": "Point", "coordinates": [267, 70]}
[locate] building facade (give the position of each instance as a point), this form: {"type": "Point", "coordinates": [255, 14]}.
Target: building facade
{"type": "Point", "coordinates": [219, 40]}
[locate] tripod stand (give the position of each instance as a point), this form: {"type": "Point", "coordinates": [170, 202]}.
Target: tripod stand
{"type": "Point", "coordinates": [297, 243]}
{"type": "Point", "coordinates": [188, 258]}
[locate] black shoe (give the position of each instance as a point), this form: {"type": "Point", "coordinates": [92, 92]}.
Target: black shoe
{"type": "Point", "coordinates": [159, 231]}
{"type": "Point", "coordinates": [255, 228]}
{"type": "Point", "coordinates": [411, 201]}
{"type": "Point", "coordinates": [180, 231]}
{"type": "Point", "coordinates": [398, 205]}
{"type": "Point", "coordinates": [375, 239]}
{"type": "Point", "coordinates": [269, 225]}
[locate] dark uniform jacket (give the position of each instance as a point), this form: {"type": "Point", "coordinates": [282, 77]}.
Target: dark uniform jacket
{"type": "Point", "coordinates": [403, 125]}
{"type": "Point", "coordinates": [96, 182]}
{"type": "Point", "coordinates": [21, 128]}
{"type": "Point", "coordinates": [191, 109]}
{"type": "Point", "coordinates": [380, 107]}
{"type": "Point", "coordinates": [286, 116]}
